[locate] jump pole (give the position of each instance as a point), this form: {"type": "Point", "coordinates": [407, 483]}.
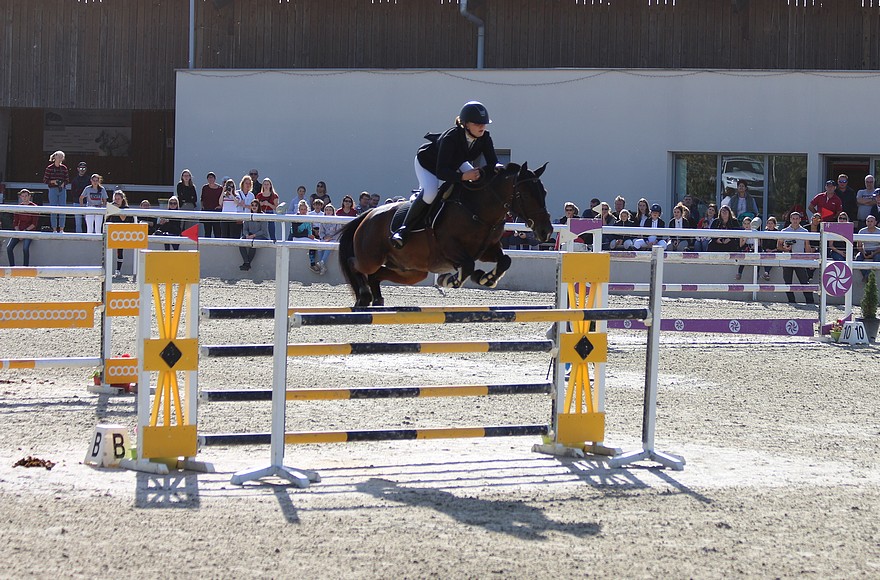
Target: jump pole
{"type": "Point", "coordinates": [298, 477]}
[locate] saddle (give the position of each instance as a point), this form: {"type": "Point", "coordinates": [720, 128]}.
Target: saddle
{"type": "Point", "coordinates": [443, 194]}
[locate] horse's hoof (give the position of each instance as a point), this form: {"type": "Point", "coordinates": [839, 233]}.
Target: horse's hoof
{"type": "Point", "coordinates": [447, 281]}
{"type": "Point", "coordinates": [379, 302]}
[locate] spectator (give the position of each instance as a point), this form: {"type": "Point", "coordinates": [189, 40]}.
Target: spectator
{"type": "Point", "coordinates": [865, 200]}
{"type": "Point", "coordinates": [317, 209]}
{"type": "Point", "coordinates": [255, 179]}
{"type": "Point", "coordinates": [746, 245]}
{"type": "Point", "coordinates": [149, 220]}
{"type": "Point", "coordinates": [642, 213]}
{"type": "Point", "coordinates": [769, 245]}
{"type": "Point", "coordinates": [347, 208]}
{"type": "Point", "coordinates": [693, 208]}
{"type": "Point", "coordinates": [837, 249]}
{"type": "Point", "coordinates": [814, 227]}
{"type": "Point", "coordinates": [57, 176]}
{"type": "Point", "coordinates": [320, 193]}
{"type": "Point", "coordinates": [79, 182]}
{"type": "Point", "coordinates": [653, 221]}
{"type": "Point", "coordinates": [592, 212]}
{"type": "Point", "coordinates": [95, 195]}
{"type": "Point", "coordinates": [605, 214]}
{"type": "Point", "coordinates": [23, 222]}
{"type": "Point", "coordinates": [847, 195]}
{"type": "Point", "coordinates": [619, 206]}
{"type": "Point", "coordinates": [743, 203]}
{"type": "Point", "coordinates": [327, 232]}
{"type": "Point", "coordinates": [570, 210]}
{"type": "Point", "coordinates": [252, 230]}
{"type": "Point", "coordinates": [229, 204]}
{"type": "Point", "coordinates": [679, 221]}
{"type": "Point", "coordinates": [210, 199]}
{"type": "Point", "coordinates": [798, 247]}
{"type": "Point", "coordinates": [621, 241]}
{"type": "Point", "coordinates": [374, 200]}
{"type": "Point", "coordinates": [875, 209]}
{"type": "Point", "coordinates": [523, 240]}
{"type": "Point", "coordinates": [170, 226]}
{"type": "Point", "coordinates": [301, 230]}
{"type": "Point", "coordinates": [186, 190]}
{"type": "Point", "coordinates": [724, 221]}
{"type": "Point", "coordinates": [120, 201]}
{"type": "Point", "coordinates": [363, 202]}
{"type": "Point", "coordinates": [869, 250]}
{"type": "Point", "coordinates": [827, 204]}
{"type": "Point", "coordinates": [702, 244]}
{"type": "Point", "coordinates": [268, 202]}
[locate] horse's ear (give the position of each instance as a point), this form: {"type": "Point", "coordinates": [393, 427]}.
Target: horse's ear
{"type": "Point", "coordinates": [524, 167]}
{"type": "Point", "coordinates": [540, 170]}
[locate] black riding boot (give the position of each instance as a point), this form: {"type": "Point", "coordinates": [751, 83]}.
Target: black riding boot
{"type": "Point", "coordinates": [416, 212]}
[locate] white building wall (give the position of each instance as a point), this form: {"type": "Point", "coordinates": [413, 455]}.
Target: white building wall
{"type": "Point", "coordinates": [604, 132]}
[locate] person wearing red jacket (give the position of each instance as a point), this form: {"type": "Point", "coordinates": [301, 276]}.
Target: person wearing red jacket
{"type": "Point", "coordinates": [23, 222]}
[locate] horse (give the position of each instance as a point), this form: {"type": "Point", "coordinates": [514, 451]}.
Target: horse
{"type": "Point", "coordinates": [467, 227]}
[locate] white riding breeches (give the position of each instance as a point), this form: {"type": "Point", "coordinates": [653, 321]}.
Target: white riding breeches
{"type": "Point", "coordinates": [430, 183]}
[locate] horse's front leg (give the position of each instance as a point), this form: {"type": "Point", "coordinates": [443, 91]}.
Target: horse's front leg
{"type": "Point", "coordinates": [502, 264]}
{"type": "Point", "coordinates": [457, 278]}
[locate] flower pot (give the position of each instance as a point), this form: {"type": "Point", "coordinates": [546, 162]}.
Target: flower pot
{"type": "Point", "coordinates": [872, 325]}
{"type": "Point", "coordinates": [835, 335]}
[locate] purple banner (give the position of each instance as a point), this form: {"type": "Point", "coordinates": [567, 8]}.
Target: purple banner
{"type": "Point", "coordinates": [777, 326]}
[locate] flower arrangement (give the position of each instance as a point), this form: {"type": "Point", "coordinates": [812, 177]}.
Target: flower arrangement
{"type": "Point", "coordinates": [837, 326]}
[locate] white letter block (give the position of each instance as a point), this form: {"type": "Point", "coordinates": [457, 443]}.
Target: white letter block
{"type": "Point", "coordinates": [109, 446]}
{"type": "Point", "coordinates": [854, 333]}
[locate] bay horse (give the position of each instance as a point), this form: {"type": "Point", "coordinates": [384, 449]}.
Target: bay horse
{"type": "Point", "coordinates": [467, 229]}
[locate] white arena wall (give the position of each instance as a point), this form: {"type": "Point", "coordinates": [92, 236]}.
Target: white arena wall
{"type": "Point", "coordinates": [604, 132]}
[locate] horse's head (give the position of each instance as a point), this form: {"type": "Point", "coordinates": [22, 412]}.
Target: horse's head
{"type": "Point", "coordinates": [530, 199]}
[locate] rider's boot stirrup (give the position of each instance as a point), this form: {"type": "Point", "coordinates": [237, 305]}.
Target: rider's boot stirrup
{"type": "Point", "coordinates": [416, 212]}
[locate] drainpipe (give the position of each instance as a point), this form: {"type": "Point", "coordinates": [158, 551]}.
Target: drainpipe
{"type": "Point", "coordinates": [481, 30]}
{"type": "Point", "coordinates": [192, 33]}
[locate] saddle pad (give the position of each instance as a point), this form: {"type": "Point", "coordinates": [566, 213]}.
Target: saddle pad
{"type": "Point", "coordinates": [400, 214]}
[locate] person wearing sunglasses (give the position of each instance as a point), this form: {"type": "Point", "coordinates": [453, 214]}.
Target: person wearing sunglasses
{"type": "Point", "coordinates": [847, 195]}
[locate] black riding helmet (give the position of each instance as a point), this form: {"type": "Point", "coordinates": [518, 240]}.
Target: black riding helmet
{"type": "Point", "coordinates": [474, 112]}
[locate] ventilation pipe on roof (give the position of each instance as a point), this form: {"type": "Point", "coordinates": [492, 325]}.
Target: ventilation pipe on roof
{"type": "Point", "coordinates": [481, 30]}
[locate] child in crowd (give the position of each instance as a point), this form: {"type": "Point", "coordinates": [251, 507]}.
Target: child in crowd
{"type": "Point", "coordinates": [769, 245]}
{"type": "Point", "coordinates": [170, 227]}
{"type": "Point", "coordinates": [252, 230]}
{"type": "Point", "coordinates": [327, 233]}
{"type": "Point", "coordinates": [746, 245]}
{"type": "Point", "coordinates": [120, 201]}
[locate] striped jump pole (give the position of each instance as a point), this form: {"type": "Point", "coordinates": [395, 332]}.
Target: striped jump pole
{"type": "Point", "coordinates": [351, 348]}
{"type": "Point", "coordinates": [267, 313]}
{"type": "Point", "coordinates": [50, 363]}
{"type": "Point", "coordinates": [51, 272]}
{"type": "Point", "coordinates": [362, 393]}
{"type": "Point", "coordinates": [309, 437]}
{"type": "Point", "coordinates": [468, 316]}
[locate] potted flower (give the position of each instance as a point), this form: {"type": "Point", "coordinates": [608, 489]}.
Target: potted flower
{"type": "Point", "coordinates": [836, 329]}
{"type": "Point", "coordinates": [96, 378]}
{"type": "Point", "coordinates": [869, 308]}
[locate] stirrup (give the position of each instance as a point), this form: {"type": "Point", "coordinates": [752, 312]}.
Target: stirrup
{"type": "Point", "coordinates": [398, 240]}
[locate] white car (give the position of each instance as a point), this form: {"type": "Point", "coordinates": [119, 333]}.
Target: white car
{"type": "Point", "coordinates": [735, 169]}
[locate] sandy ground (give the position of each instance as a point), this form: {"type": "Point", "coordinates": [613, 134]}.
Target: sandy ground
{"type": "Point", "coordinates": [780, 436]}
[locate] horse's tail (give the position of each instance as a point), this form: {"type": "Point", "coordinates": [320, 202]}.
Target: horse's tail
{"type": "Point", "coordinates": [346, 252]}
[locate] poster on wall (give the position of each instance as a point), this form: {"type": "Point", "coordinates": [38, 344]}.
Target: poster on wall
{"type": "Point", "coordinates": [87, 132]}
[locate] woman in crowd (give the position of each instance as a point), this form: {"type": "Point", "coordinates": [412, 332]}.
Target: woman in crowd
{"type": "Point", "coordinates": [814, 227]}
{"type": "Point", "coordinates": [702, 244]}
{"type": "Point", "coordinates": [23, 222]}
{"type": "Point", "coordinates": [170, 226]}
{"type": "Point", "coordinates": [211, 199]}
{"type": "Point", "coordinates": [347, 208]}
{"type": "Point", "coordinates": [769, 245]}
{"type": "Point", "coordinates": [746, 245]}
{"type": "Point", "coordinates": [620, 241]}
{"type": "Point", "coordinates": [327, 233]}
{"type": "Point", "coordinates": [837, 249]}
{"type": "Point", "coordinates": [57, 176]}
{"type": "Point", "coordinates": [642, 213]}
{"type": "Point", "coordinates": [252, 230]}
{"type": "Point", "coordinates": [229, 204]}
{"type": "Point", "coordinates": [95, 195]}
{"type": "Point", "coordinates": [120, 201]}
{"type": "Point", "coordinates": [725, 221]}
{"type": "Point", "coordinates": [268, 203]}
{"type": "Point", "coordinates": [679, 221]}
{"type": "Point", "coordinates": [186, 190]}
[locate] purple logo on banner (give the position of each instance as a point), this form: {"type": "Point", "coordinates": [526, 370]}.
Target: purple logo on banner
{"type": "Point", "coordinates": [837, 278]}
{"type": "Point", "coordinates": [581, 225]}
{"type": "Point", "coordinates": [844, 229]}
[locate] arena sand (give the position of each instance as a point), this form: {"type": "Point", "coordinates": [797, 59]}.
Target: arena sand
{"type": "Point", "coordinates": [780, 436]}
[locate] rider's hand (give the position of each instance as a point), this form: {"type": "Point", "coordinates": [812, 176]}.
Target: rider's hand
{"type": "Point", "coordinates": [470, 175]}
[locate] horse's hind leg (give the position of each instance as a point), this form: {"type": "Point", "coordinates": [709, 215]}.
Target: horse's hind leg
{"type": "Point", "coordinates": [361, 286]}
{"type": "Point", "coordinates": [377, 299]}
{"type": "Point", "coordinates": [409, 278]}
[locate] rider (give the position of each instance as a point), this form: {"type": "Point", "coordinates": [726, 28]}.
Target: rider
{"type": "Point", "coordinates": [447, 157]}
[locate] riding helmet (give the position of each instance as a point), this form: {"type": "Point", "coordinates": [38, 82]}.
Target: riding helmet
{"type": "Point", "coordinates": [656, 207]}
{"type": "Point", "coordinates": [474, 112]}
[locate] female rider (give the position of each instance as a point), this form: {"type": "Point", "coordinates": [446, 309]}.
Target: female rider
{"type": "Point", "coordinates": [447, 157]}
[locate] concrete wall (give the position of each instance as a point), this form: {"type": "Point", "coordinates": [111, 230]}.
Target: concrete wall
{"type": "Point", "coordinates": [604, 132]}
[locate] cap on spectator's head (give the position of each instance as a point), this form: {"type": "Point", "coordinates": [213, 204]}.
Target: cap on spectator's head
{"type": "Point", "coordinates": [656, 207]}
{"type": "Point", "coordinates": [82, 164]}
{"type": "Point", "coordinates": [595, 201]}
{"type": "Point", "coordinates": [831, 182]}
{"type": "Point", "coordinates": [212, 174]}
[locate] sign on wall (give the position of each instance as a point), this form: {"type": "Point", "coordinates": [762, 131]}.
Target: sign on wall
{"type": "Point", "coordinates": [87, 132]}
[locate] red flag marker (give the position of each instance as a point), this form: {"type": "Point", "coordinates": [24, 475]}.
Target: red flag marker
{"type": "Point", "coordinates": [192, 233]}
{"type": "Point", "coordinates": [825, 212]}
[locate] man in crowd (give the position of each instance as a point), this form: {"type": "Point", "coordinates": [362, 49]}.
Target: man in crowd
{"type": "Point", "coordinates": [827, 204]}
{"type": "Point", "coordinates": [865, 198]}
{"type": "Point", "coordinates": [869, 251]}
{"type": "Point", "coordinates": [847, 196]}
